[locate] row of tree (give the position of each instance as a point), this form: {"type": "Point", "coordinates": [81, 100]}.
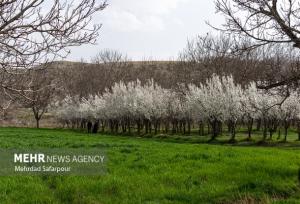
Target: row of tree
{"type": "Point", "coordinates": [148, 108]}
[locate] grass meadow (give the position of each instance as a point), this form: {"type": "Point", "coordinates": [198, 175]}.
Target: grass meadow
{"type": "Point", "coordinates": [161, 169]}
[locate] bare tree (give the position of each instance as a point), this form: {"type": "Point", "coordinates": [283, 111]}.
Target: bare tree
{"type": "Point", "coordinates": [114, 67]}
{"type": "Point", "coordinates": [109, 57]}
{"type": "Point", "coordinates": [33, 32]}
{"type": "Point", "coordinates": [5, 104]}
{"type": "Point", "coordinates": [219, 54]}
{"type": "Point", "coordinates": [265, 22]}
{"type": "Point", "coordinates": [43, 86]}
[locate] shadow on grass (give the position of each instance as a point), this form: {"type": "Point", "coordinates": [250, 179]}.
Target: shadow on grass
{"type": "Point", "coordinates": [240, 140]}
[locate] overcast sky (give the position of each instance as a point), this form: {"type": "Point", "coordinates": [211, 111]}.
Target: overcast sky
{"type": "Point", "coordinates": [156, 29]}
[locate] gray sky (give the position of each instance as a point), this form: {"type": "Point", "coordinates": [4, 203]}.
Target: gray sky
{"type": "Point", "coordinates": [156, 29]}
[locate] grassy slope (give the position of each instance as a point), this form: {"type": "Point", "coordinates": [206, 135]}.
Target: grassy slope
{"type": "Point", "coordinates": [157, 171]}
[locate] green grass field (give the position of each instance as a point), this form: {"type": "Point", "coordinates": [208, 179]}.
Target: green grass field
{"type": "Point", "coordinates": [178, 169]}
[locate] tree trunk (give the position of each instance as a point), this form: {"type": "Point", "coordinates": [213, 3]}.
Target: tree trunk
{"type": "Point", "coordinates": [103, 126]}
{"type": "Point", "coordinates": [89, 127]}
{"type": "Point", "coordinates": [37, 123]}
{"type": "Point", "coordinates": [233, 133]}
{"type": "Point", "coordinates": [285, 134]}
{"type": "Point", "coordinates": [265, 130]}
{"type": "Point", "coordinates": [37, 117]}
{"type": "Point", "coordinates": [279, 133]}
{"type": "Point", "coordinates": [138, 127]}
{"type": "Point", "coordinates": [214, 126]}
{"type": "Point", "coordinates": [258, 124]}
{"type": "Point", "coordinates": [129, 126]}
{"type": "Point", "coordinates": [250, 125]}
{"type": "Point", "coordinates": [201, 129]}
{"type": "Point", "coordinates": [286, 127]}
{"type": "Point", "coordinates": [220, 128]}
{"type": "Point", "coordinates": [173, 127]}
{"type": "Point", "coordinates": [167, 127]}
{"type": "Point", "coordinates": [232, 128]}
{"type": "Point", "coordinates": [111, 126]}
{"type": "Point", "coordinates": [147, 126]}
{"type": "Point", "coordinates": [96, 127]}
{"type": "Point", "coordinates": [155, 127]}
{"type": "Point", "coordinates": [117, 127]}
{"type": "Point", "coordinates": [189, 127]}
